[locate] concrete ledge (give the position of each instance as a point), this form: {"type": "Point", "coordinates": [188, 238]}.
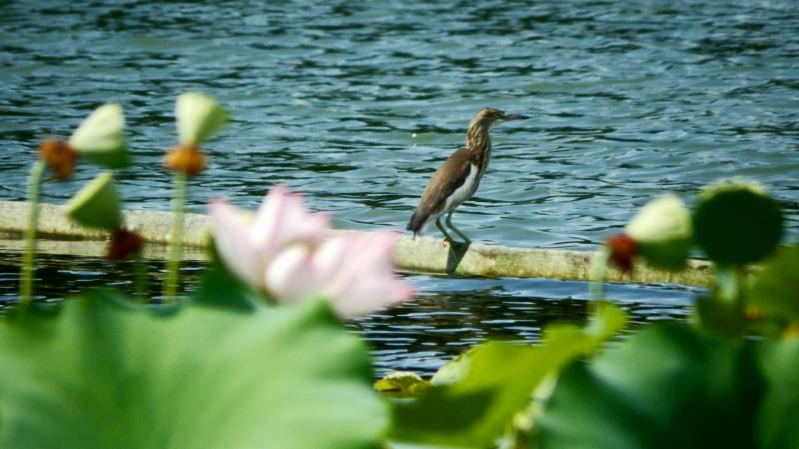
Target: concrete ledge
{"type": "Point", "coordinates": [416, 255]}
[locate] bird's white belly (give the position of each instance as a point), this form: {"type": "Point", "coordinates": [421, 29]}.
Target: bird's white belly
{"type": "Point", "coordinates": [462, 193]}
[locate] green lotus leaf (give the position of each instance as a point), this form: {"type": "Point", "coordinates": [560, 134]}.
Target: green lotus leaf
{"type": "Point", "coordinates": [198, 117]}
{"type": "Point", "coordinates": [97, 204]}
{"type": "Point", "coordinates": [474, 408]}
{"type": "Point", "coordinates": [100, 137]}
{"type": "Point", "coordinates": [106, 374]}
{"type": "Point", "coordinates": [220, 288]}
{"type": "Point", "coordinates": [775, 289]}
{"type": "Point", "coordinates": [736, 223]}
{"type": "Point", "coordinates": [666, 387]}
{"type": "Point", "coordinates": [778, 420]}
{"type": "Point", "coordinates": [455, 370]}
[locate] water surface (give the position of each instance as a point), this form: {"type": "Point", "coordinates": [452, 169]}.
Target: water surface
{"type": "Point", "coordinates": [355, 104]}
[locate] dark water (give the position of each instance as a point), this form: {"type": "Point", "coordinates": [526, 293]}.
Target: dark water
{"type": "Point", "coordinates": [355, 104]}
{"type": "Point", "coordinates": [447, 317]}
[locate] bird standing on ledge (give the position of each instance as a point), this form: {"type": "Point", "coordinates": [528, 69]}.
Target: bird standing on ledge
{"type": "Point", "coordinates": [458, 178]}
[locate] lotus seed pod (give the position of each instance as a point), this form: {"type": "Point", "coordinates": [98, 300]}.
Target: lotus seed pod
{"type": "Point", "coordinates": [198, 117]}
{"type": "Point", "coordinates": [97, 205]}
{"type": "Point", "coordinates": [736, 223]}
{"type": "Point", "coordinates": [662, 232]}
{"type": "Point", "coordinates": [100, 137]}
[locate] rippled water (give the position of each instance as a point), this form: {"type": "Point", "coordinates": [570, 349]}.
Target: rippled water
{"type": "Point", "coordinates": [356, 104]}
{"type": "Point", "coordinates": [448, 315]}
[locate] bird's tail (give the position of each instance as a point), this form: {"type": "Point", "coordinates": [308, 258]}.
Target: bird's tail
{"type": "Point", "coordinates": [416, 223]}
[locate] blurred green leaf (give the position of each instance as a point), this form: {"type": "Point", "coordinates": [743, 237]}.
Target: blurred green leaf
{"type": "Point", "coordinates": [473, 408]}
{"type": "Point", "coordinates": [220, 288]}
{"type": "Point", "coordinates": [778, 423]}
{"type": "Point", "coordinates": [455, 369]}
{"type": "Point", "coordinates": [102, 375]}
{"type": "Point", "coordinates": [737, 224]}
{"type": "Point", "coordinates": [474, 411]}
{"type": "Point", "coordinates": [721, 317]}
{"type": "Point", "coordinates": [97, 204]}
{"type": "Point", "coordinates": [198, 117]}
{"type": "Point", "coordinates": [665, 387]}
{"type": "Point", "coordinates": [100, 137]}
{"type": "Point", "coordinates": [775, 290]}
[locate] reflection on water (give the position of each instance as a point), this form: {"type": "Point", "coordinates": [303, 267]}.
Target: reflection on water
{"type": "Point", "coordinates": [448, 316]}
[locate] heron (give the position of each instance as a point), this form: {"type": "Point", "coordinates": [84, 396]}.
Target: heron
{"type": "Point", "coordinates": [459, 176]}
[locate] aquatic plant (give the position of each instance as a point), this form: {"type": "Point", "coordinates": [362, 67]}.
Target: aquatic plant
{"type": "Point", "coordinates": [258, 353]}
{"type": "Point", "coordinates": [660, 233]}
{"type": "Point", "coordinates": [670, 385]}
{"type": "Point", "coordinates": [99, 139]}
{"type": "Point", "coordinates": [97, 206]}
{"type": "Point", "coordinates": [197, 117]}
{"type": "Point", "coordinates": [101, 372]}
{"type": "Point", "coordinates": [281, 251]}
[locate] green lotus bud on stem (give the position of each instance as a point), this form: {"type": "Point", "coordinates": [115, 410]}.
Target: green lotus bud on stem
{"type": "Point", "coordinates": [736, 223]}
{"type": "Point", "coordinates": [97, 204]}
{"type": "Point", "coordinates": [662, 232]}
{"type": "Point", "coordinates": [198, 117]}
{"type": "Point", "coordinates": [100, 137]}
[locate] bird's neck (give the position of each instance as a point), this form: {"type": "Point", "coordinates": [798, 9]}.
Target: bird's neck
{"type": "Point", "coordinates": [478, 142]}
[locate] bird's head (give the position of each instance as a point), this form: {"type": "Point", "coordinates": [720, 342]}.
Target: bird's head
{"type": "Point", "coordinates": [489, 116]}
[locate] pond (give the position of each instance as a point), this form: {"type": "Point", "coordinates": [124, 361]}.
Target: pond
{"type": "Point", "coordinates": [448, 316]}
{"type": "Point", "coordinates": [355, 105]}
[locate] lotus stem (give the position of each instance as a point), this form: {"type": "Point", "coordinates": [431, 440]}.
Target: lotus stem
{"type": "Point", "coordinates": [26, 281]}
{"type": "Point", "coordinates": [597, 271]}
{"type": "Point", "coordinates": [176, 239]}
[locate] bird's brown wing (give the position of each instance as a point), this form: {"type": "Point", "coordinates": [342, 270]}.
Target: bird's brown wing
{"type": "Point", "coordinates": [451, 175]}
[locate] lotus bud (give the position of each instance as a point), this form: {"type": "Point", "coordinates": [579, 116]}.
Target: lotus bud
{"type": "Point", "coordinates": [97, 205]}
{"type": "Point", "coordinates": [100, 137]}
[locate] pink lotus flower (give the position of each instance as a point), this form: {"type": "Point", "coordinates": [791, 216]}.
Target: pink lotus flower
{"type": "Point", "coordinates": [281, 251]}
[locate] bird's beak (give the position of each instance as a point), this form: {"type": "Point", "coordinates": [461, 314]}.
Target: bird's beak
{"type": "Point", "coordinates": [509, 117]}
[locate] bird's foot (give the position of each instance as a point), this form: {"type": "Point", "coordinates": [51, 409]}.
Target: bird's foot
{"type": "Point", "coordinates": [455, 243]}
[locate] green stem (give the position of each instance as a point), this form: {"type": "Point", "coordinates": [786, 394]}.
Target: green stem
{"type": "Point", "coordinates": [728, 280]}
{"type": "Point", "coordinates": [26, 282]}
{"type": "Point", "coordinates": [176, 240]}
{"type": "Point", "coordinates": [599, 266]}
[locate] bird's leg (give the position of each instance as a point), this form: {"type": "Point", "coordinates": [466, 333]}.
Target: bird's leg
{"type": "Point", "coordinates": [448, 221]}
{"type": "Point", "coordinates": [441, 228]}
